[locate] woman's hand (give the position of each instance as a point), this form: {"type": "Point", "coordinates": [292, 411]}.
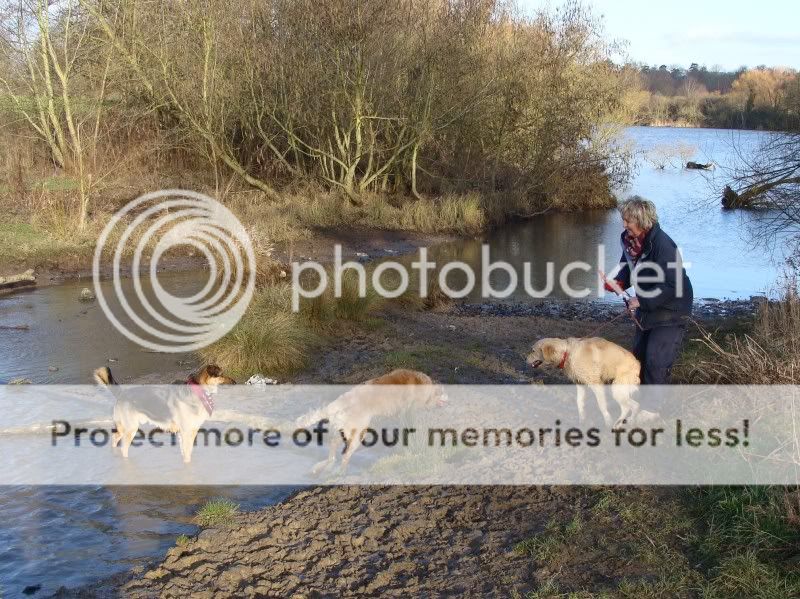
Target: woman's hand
{"type": "Point", "coordinates": [633, 303]}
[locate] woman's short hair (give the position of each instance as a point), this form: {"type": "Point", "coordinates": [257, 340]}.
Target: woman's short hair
{"type": "Point", "coordinates": [640, 211]}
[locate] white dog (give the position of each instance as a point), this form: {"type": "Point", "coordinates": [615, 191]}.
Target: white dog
{"type": "Point", "coordinates": [179, 409]}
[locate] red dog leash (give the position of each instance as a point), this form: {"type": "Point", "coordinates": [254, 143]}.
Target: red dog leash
{"type": "Point", "coordinates": [615, 287]}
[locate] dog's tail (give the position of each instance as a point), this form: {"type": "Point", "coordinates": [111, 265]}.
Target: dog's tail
{"type": "Point", "coordinates": [102, 376]}
{"type": "Point", "coordinates": [312, 417]}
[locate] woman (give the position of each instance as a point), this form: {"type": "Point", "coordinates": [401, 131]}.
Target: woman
{"type": "Point", "coordinates": [651, 264]}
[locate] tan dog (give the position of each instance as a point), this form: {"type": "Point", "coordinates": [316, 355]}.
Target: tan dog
{"type": "Point", "coordinates": [594, 362]}
{"type": "Point", "coordinates": [182, 410]}
{"type": "Point", "coordinates": [350, 414]}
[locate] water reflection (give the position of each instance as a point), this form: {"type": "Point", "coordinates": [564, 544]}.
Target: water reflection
{"type": "Point", "coordinates": [531, 246]}
{"type": "Point", "coordinates": [71, 536]}
{"type": "Point", "coordinates": [67, 339]}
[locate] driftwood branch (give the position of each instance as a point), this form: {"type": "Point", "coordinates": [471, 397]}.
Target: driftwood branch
{"type": "Point", "coordinates": [26, 279]}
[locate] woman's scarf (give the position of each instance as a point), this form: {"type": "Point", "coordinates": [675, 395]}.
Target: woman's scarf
{"type": "Point", "coordinates": [634, 244]}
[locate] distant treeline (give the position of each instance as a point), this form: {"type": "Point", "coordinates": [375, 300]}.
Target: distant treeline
{"type": "Point", "coordinates": [758, 98]}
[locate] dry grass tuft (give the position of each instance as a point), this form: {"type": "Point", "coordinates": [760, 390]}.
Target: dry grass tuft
{"type": "Point", "coordinates": [270, 338]}
{"type": "Point", "coordinates": [767, 355]}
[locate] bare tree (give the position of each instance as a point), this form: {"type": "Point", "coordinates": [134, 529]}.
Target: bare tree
{"type": "Point", "coordinates": [770, 179]}
{"type": "Point", "coordinates": [49, 42]}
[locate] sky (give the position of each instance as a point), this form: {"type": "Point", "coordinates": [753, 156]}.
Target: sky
{"type": "Point", "coordinates": [729, 33]}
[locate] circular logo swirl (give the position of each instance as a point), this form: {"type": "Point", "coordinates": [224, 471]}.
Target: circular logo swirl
{"type": "Point", "coordinates": [160, 221]}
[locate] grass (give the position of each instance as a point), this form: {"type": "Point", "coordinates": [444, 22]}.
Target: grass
{"type": "Point", "coordinates": [296, 214]}
{"type": "Point", "coordinates": [50, 203]}
{"type": "Point", "coordinates": [554, 539]}
{"type": "Point", "coordinates": [216, 512]}
{"type": "Point", "coordinates": [764, 351]}
{"type": "Point", "coordinates": [462, 214]}
{"type": "Point", "coordinates": [182, 540]}
{"type": "Point", "coordinates": [715, 543]}
{"type": "Point", "coordinates": [762, 523]}
{"type": "Point", "coordinates": [25, 244]}
{"type": "Point", "coordinates": [272, 339]}
{"type": "Point", "coordinates": [58, 183]}
{"type": "Point", "coordinates": [16, 236]}
{"type": "Point", "coordinates": [416, 358]}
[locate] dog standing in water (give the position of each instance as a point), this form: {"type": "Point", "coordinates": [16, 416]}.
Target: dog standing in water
{"type": "Point", "coordinates": [181, 411]}
{"type": "Point", "coordinates": [350, 414]}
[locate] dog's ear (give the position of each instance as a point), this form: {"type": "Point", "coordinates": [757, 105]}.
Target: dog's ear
{"type": "Point", "coordinates": [548, 351]}
{"type": "Point", "coordinates": [212, 370]}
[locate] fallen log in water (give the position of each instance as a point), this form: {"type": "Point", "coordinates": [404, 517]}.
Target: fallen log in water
{"type": "Point", "coordinates": [750, 197]}
{"type": "Point", "coordinates": [13, 282]}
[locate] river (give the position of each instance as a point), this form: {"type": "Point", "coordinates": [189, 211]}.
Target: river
{"type": "Point", "coordinates": [71, 536]}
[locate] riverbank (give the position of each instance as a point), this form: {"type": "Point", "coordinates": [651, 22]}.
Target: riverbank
{"type": "Point", "coordinates": [464, 541]}
{"type": "Point", "coordinates": [357, 244]}
{"type": "Point", "coordinates": [450, 540]}
{"type": "Point", "coordinates": [302, 221]}
{"type": "Point", "coordinates": [393, 541]}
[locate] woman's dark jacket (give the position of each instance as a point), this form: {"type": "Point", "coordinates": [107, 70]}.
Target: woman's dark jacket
{"type": "Point", "coordinates": [666, 308]}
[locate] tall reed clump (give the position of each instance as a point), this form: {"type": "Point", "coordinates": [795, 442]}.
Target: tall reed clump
{"type": "Point", "coordinates": [269, 338]}
{"type": "Point", "coordinates": [273, 339]}
{"type": "Point", "coordinates": [463, 214]}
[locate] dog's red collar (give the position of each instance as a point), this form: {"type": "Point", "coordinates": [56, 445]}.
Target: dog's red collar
{"type": "Point", "coordinates": [200, 393]}
{"type": "Point", "coordinates": [563, 361]}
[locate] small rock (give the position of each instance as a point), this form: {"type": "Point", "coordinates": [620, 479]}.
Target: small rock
{"type": "Point", "coordinates": [87, 295]}
{"type": "Point", "coordinates": [31, 589]}
{"type": "Point", "coordinates": [52, 368]}
{"type": "Point", "coordinates": [155, 574]}
{"type": "Point", "coordinates": [374, 531]}
{"type": "Point", "coordinates": [112, 360]}
{"type": "Point", "coordinates": [20, 381]}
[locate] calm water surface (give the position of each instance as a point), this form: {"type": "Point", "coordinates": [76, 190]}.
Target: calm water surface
{"type": "Point", "coordinates": [723, 262]}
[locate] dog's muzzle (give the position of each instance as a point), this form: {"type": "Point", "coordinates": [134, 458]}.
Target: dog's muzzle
{"type": "Point", "coordinates": [536, 363]}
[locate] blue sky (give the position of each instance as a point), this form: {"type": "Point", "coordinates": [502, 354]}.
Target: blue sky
{"type": "Point", "coordinates": [712, 32]}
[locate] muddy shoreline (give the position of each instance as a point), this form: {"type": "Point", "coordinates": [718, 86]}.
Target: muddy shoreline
{"type": "Point", "coordinates": [360, 541]}
{"type": "Point", "coordinates": [330, 541]}
{"type": "Point", "coordinates": [357, 244]}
